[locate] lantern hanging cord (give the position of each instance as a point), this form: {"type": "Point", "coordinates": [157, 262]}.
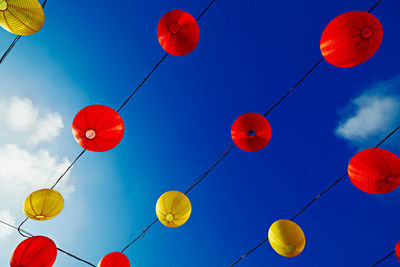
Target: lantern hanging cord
{"type": "Point", "coordinates": [14, 42]}
{"type": "Point", "coordinates": [197, 181]}
{"type": "Point", "coordinates": [59, 249]}
{"type": "Point", "coordinates": [317, 197]}
{"type": "Point", "coordinates": [384, 258]}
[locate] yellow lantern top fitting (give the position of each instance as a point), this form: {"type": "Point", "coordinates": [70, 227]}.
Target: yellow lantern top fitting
{"type": "Point", "coordinates": [43, 205]}
{"type": "Point", "coordinates": [173, 209]}
{"type": "Point", "coordinates": [21, 17]}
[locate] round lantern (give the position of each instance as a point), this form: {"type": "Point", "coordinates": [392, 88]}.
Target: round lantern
{"type": "Point", "coordinates": [43, 205]}
{"type": "Point", "coordinates": [114, 259]}
{"type": "Point", "coordinates": [21, 17]}
{"type": "Point", "coordinates": [173, 209]}
{"type": "Point", "coordinates": [351, 39]}
{"type": "Point", "coordinates": [286, 238]}
{"type": "Point", "coordinates": [251, 132]}
{"type": "Point", "coordinates": [98, 128]}
{"type": "Point", "coordinates": [375, 171]}
{"type": "Point", "coordinates": [178, 33]}
{"type": "Point", "coordinates": [398, 250]}
{"type": "Point", "coordinates": [37, 251]}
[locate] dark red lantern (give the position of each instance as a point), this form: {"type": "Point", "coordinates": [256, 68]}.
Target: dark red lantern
{"type": "Point", "coordinates": [178, 33]}
{"type": "Point", "coordinates": [398, 250]}
{"type": "Point", "coordinates": [351, 39]}
{"type": "Point", "coordinates": [98, 128]}
{"type": "Point", "coordinates": [37, 251]}
{"type": "Point", "coordinates": [375, 171]}
{"type": "Point", "coordinates": [251, 132]}
{"type": "Point", "coordinates": [114, 259]}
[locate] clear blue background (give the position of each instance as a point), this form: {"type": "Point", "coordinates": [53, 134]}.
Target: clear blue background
{"type": "Point", "coordinates": [250, 53]}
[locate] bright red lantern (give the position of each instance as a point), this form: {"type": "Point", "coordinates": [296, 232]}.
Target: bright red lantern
{"type": "Point", "coordinates": [114, 259]}
{"type": "Point", "coordinates": [251, 132]}
{"type": "Point", "coordinates": [98, 128]}
{"type": "Point", "coordinates": [375, 171]}
{"type": "Point", "coordinates": [398, 250]}
{"type": "Point", "coordinates": [178, 33]}
{"type": "Point", "coordinates": [37, 251]}
{"type": "Point", "coordinates": [351, 39]}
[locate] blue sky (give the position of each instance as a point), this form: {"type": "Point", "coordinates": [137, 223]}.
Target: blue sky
{"type": "Point", "coordinates": [249, 54]}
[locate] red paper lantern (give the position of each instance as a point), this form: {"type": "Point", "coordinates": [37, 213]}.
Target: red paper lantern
{"type": "Point", "coordinates": [398, 250]}
{"type": "Point", "coordinates": [98, 128]}
{"type": "Point", "coordinates": [114, 259]}
{"type": "Point", "coordinates": [351, 39]}
{"type": "Point", "coordinates": [178, 33]}
{"type": "Point", "coordinates": [37, 251]}
{"type": "Point", "coordinates": [251, 132]}
{"type": "Point", "coordinates": [375, 171]}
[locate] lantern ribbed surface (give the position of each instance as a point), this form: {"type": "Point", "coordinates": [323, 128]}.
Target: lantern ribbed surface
{"type": "Point", "coordinates": [286, 238]}
{"type": "Point", "coordinates": [251, 132]}
{"type": "Point", "coordinates": [178, 33]}
{"type": "Point", "coordinates": [21, 17]}
{"type": "Point", "coordinates": [173, 209]}
{"type": "Point", "coordinates": [351, 39]}
{"type": "Point", "coordinates": [397, 250]}
{"type": "Point", "coordinates": [114, 259]}
{"type": "Point", "coordinates": [37, 251]}
{"type": "Point", "coordinates": [43, 205]}
{"type": "Point", "coordinates": [375, 171]}
{"type": "Point", "coordinates": [98, 128]}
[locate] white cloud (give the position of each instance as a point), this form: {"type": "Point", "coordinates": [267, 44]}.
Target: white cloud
{"type": "Point", "coordinates": [25, 166]}
{"type": "Point", "coordinates": [372, 115]}
{"type": "Point", "coordinates": [5, 230]}
{"type": "Point", "coordinates": [21, 116]}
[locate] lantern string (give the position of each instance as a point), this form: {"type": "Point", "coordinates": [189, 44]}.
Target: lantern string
{"type": "Point", "coordinates": [317, 197]}
{"type": "Point", "coordinates": [59, 249]}
{"type": "Point", "coordinates": [14, 42]}
{"type": "Point", "coordinates": [19, 227]}
{"type": "Point", "coordinates": [294, 86]}
{"type": "Point", "coordinates": [205, 10]}
{"type": "Point", "coordinates": [141, 235]}
{"type": "Point", "coordinates": [384, 258]}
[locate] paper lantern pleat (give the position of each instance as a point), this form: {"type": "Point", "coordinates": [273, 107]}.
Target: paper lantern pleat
{"type": "Point", "coordinates": [351, 39]}
{"type": "Point", "coordinates": [37, 251]}
{"type": "Point", "coordinates": [21, 17]}
{"type": "Point", "coordinates": [43, 205]}
{"type": "Point", "coordinates": [115, 259]}
{"type": "Point", "coordinates": [98, 128]}
{"type": "Point", "coordinates": [173, 209]}
{"type": "Point", "coordinates": [251, 132]}
{"type": "Point", "coordinates": [286, 238]}
{"type": "Point", "coordinates": [178, 33]}
{"type": "Point", "coordinates": [375, 171]}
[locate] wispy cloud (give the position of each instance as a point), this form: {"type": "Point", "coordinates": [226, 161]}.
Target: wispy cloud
{"type": "Point", "coordinates": [6, 217]}
{"type": "Point", "coordinates": [371, 115]}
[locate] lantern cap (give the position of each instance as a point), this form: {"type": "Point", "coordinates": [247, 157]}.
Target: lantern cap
{"type": "Point", "coordinates": [90, 134]}
{"type": "Point", "coordinates": [367, 32]}
{"type": "Point", "coordinates": [3, 5]}
{"type": "Point", "coordinates": [170, 217]}
{"type": "Point", "coordinates": [174, 28]}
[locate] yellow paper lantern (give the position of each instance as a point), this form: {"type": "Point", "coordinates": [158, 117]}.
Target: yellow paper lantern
{"type": "Point", "coordinates": [173, 209]}
{"type": "Point", "coordinates": [21, 17]}
{"type": "Point", "coordinates": [43, 205]}
{"type": "Point", "coordinates": [286, 238]}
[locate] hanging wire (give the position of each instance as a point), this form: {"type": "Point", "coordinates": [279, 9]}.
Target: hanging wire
{"type": "Point", "coordinates": [59, 249]}
{"type": "Point", "coordinates": [14, 42]}
{"type": "Point", "coordinates": [384, 258]}
{"type": "Point", "coordinates": [317, 197]}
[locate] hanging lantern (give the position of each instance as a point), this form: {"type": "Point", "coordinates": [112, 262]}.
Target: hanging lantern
{"type": "Point", "coordinates": [114, 259]}
{"type": "Point", "coordinates": [98, 128]}
{"type": "Point", "coordinates": [375, 171]}
{"type": "Point", "coordinates": [173, 209]}
{"type": "Point", "coordinates": [286, 238]}
{"type": "Point", "coordinates": [251, 132]}
{"type": "Point", "coordinates": [398, 250]}
{"type": "Point", "coordinates": [21, 17]}
{"type": "Point", "coordinates": [351, 39]}
{"type": "Point", "coordinates": [37, 251]}
{"type": "Point", "coordinates": [43, 205]}
{"type": "Point", "coordinates": [178, 33]}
